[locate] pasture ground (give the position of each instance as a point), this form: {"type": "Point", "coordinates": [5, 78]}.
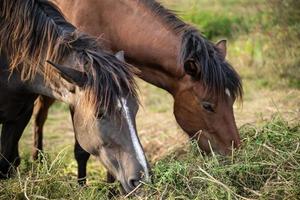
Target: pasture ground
{"type": "Point", "coordinates": [265, 51]}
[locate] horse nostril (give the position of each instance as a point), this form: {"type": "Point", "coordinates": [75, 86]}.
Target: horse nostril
{"type": "Point", "coordinates": [133, 183]}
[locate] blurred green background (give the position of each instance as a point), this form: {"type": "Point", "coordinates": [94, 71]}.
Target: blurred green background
{"type": "Point", "coordinates": [264, 46]}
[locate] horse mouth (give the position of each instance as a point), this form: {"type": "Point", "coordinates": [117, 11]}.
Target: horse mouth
{"type": "Point", "coordinates": [209, 143]}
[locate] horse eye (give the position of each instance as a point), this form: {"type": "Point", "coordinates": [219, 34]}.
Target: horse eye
{"type": "Point", "coordinates": [208, 106]}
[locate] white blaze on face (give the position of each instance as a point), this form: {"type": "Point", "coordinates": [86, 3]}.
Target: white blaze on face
{"type": "Point", "coordinates": [136, 144]}
{"type": "Point", "coordinates": [227, 92]}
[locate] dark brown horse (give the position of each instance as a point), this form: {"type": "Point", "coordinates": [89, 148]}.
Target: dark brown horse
{"type": "Point", "coordinates": [98, 87]}
{"type": "Point", "coordinates": [171, 55]}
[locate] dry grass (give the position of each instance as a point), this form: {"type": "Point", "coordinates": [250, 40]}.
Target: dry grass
{"type": "Point", "coordinates": [266, 167]}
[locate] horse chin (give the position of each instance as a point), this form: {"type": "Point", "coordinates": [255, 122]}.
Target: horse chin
{"type": "Point", "coordinates": [118, 171]}
{"type": "Point", "coordinates": [126, 188]}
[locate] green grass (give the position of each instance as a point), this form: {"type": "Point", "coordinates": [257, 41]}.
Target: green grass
{"type": "Point", "coordinates": [217, 25]}
{"type": "Point", "coordinates": [264, 47]}
{"type": "Point", "coordinates": [264, 36]}
{"type": "Point", "coordinates": [266, 167]}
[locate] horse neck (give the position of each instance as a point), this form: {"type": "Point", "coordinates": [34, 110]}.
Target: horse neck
{"type": "Point", "coordinates": [148, 42]}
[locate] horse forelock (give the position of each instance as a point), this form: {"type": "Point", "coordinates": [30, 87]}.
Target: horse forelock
{"type": "Point", "coordinates": [108, 79]}
{"type": "Point", "coordinates": [114, 83]}
{"type": "Point", "coordinates": [216, 74]}
{"type": "Point", "coordinates": [33, 31]}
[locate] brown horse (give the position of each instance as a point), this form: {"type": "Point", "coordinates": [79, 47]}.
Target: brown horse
{"type": "Point", "coordinates": [98, 87]}
{"type": "Point", "coordinates": [171, 55]}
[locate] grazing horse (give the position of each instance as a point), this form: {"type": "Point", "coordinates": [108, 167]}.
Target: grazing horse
{"type": "Point", "coordinates": [43, 54]}
{"type": "Point", "coordinates": [170, 54]}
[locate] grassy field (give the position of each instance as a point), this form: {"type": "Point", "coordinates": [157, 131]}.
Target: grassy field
{"type": "Point", "coordinates": [264, 46]}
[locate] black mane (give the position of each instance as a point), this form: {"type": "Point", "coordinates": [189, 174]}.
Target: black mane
{"type": "Point", "coordinates": [215, 73]}
{"type": "Point", "coordinates": [34, 31]}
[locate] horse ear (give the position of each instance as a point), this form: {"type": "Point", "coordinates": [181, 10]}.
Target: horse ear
{"type": "Point", "coordinates": [73, 76]}
{"type": "Point", "coordinates": [191, 68]}
{"type": "Point", "coordinates": [120, 56]}
{"type": "Point", "coordinates": [221, 46]}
